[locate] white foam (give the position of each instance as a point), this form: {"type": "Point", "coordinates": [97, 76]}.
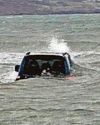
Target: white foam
{"type": "Point", "coordinates": [12, 58]}
{"type": "Point", "coordinates": [9, 59]}
{"type": "Point", "coordinates": [85, 53]}
{"type": "Point", "coordinates": [8, 77]}
{"type": "Point", "coordinates": [58, 45]}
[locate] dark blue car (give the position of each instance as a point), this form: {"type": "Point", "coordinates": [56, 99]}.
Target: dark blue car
{"type": "Point", "coordinates": [44, 64]}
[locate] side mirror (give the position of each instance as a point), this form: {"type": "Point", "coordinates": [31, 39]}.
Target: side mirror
{"type": "Point", "coordinates": [17, 68]}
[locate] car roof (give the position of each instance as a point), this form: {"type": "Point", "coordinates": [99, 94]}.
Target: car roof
{"type": "Point", "coordinates": [48, 53]}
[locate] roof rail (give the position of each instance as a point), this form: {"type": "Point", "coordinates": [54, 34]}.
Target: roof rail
{"type": "Point", "coordinates": [28, 53]}
{"type": "Point", "coordinates": [65, 53]}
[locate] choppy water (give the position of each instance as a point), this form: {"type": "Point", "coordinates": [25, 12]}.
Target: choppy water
{"type": "Point", "coordinates": [46, 101]}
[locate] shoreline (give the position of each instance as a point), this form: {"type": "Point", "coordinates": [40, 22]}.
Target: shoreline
{"type": "Point", "coordinates": [25, 14]}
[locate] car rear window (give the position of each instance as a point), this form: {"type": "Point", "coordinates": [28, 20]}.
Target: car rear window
{"type": "Point", "coordinates": [55, 63]}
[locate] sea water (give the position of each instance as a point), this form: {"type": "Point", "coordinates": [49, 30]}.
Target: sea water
{"type": "Point", "coordinates": [50, 101]}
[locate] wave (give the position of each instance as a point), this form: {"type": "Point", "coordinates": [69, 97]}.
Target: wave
{"type": "Point", "coordinates": [7, 63]}
{"type": "Point", "coordinates": [58, 45]}
{"type": "Point", "coordinates": [83, 59]}
{"type": "Point", "coordinates": [10, 58]}
{"type": "Point", "coordinates": [8, 77]}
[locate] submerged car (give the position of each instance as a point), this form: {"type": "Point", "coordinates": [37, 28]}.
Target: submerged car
{"type": "Point", "coordinates": [44, 64]}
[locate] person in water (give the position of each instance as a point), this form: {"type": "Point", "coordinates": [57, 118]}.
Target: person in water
{"type": "Point", "coordinates": [31, 68]}
{"type": "Point", "coordinates": [46, 69]}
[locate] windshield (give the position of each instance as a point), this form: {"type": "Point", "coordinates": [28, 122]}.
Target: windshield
{"type": "Point", "coordinates": [36, 64]}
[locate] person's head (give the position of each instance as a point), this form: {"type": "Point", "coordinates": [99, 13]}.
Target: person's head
{"type": "Point", "coordinates": [45, 66]}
